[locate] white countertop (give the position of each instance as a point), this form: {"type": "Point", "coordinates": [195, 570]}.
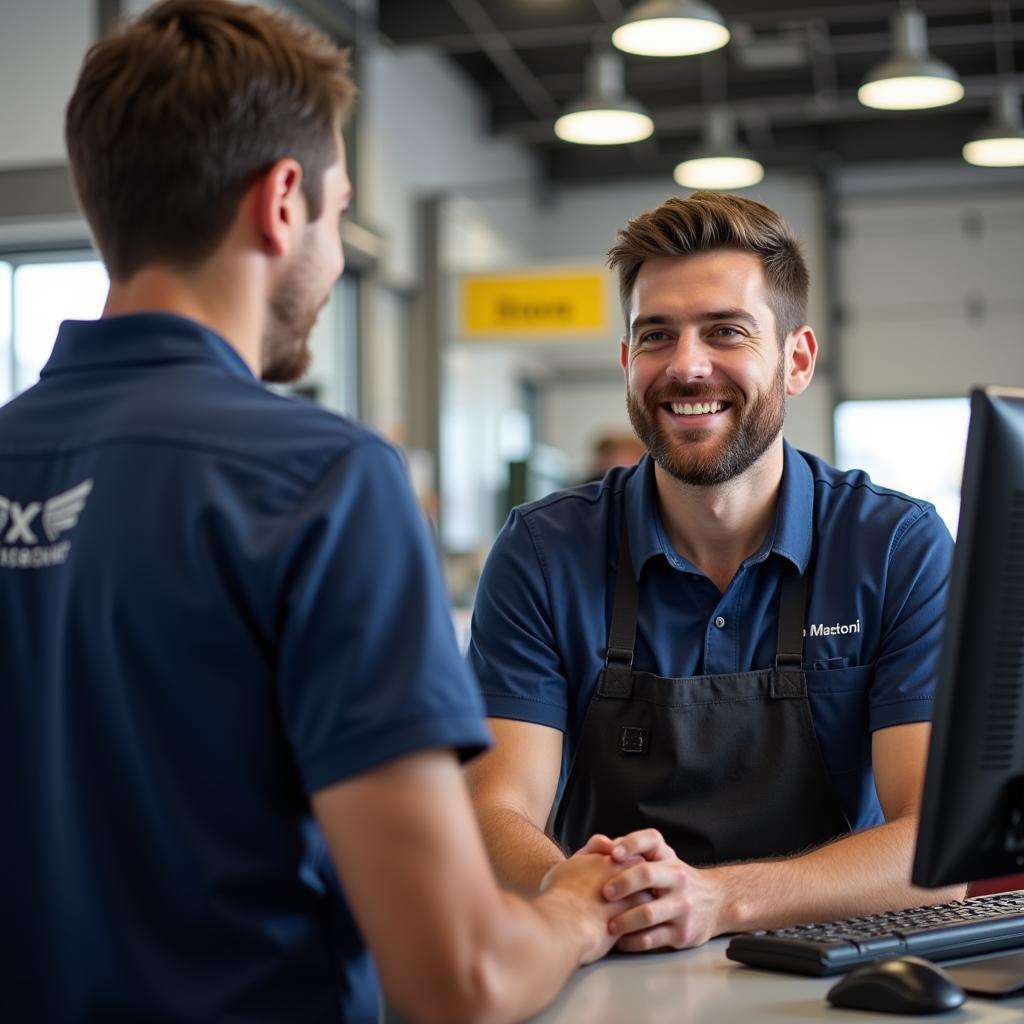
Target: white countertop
{"type": "Point", "coordinates": [701, 985]}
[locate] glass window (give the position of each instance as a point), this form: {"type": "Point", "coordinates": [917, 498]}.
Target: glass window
{"type": "Point", "coordinates": [331, 378]}
{"type": "Point", "coordinates": [915, 446]}
{"type": "Point", "coordinates": [44, 295]}
{"type": "Point", "coordinates": [6, 384]}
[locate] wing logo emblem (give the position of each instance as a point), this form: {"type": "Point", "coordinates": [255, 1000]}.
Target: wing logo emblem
{"type": "Point", "coordinates": [21, 524]}
{"type": "Point", "coordinates": [61, 512]}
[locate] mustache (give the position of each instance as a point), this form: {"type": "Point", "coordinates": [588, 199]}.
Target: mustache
{"type": "Point", "coordinates": [681, 392]}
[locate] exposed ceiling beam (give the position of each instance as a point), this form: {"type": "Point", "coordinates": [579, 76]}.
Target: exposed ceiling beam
{"type": "Point", "coordinates": [869, 10]}
{"type": "Point", "coordinates": [781, 110]}
{"type": "Point", "coordinates": [530, 38]}
{"type": "Point", "coordinates": [495, 44]}
{"type": "Point", "coordinates": [792, 70]}
{"type": "Point", "coordinates": [526, 38]}
{"type": "Point", "coordinates": [611, 10]}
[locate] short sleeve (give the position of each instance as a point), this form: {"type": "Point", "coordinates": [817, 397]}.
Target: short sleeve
{"type": "Point", "coordinates": [512, 647]}
{"type": "Point", "coordinates": [369, 667]}
{"type": "Point", "coordinates": [913, 612]}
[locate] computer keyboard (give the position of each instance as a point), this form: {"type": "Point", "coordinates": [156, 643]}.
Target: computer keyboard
{"type": "Point", "coordinates": [943, 931]}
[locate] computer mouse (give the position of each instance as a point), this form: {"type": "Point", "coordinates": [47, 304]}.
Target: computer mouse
{"type": "Point", "coordinates": [905, 984]}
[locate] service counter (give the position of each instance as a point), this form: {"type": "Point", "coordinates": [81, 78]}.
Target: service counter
{"type": "Point", "coordinates": [703, 987]}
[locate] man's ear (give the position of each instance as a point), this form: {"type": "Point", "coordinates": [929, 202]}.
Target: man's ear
{"type": "Point", "coordinates": [624, 355]}
{"type": "Point", "coordinates": [281, 206]}
{"type": "Point", "coordinates": [801, 355]}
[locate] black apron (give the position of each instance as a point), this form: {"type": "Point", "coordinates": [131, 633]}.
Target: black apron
{"type": "Point", "coordinates": [726, 767]}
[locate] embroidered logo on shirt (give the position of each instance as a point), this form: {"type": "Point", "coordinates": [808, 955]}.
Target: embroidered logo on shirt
{"type": "Point", "coordinates": [21, 546]}
{"type": "Point", "coordinates": [835, 629]}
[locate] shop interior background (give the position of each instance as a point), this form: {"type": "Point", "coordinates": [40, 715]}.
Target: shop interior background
{"type": "Point", "coordinates": [916, 256]}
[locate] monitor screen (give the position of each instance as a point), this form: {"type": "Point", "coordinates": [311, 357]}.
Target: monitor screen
{"type": "Point", "coordinates": [972, 813]}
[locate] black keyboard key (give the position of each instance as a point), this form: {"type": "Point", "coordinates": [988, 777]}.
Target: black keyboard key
{"type": "Point", "coordinates": [883, 945]}
{"type": "Point", "coordinates": [941, 932]}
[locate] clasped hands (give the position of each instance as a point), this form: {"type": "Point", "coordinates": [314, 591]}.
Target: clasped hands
{"type": "Point", "coordinates": [669, 902]}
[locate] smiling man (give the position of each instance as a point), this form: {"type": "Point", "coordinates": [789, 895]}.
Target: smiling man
{"type": "Point", "coordinates": [658, 651]}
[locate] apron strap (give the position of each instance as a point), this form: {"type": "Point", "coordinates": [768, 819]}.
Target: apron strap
{"type": "Point", "coordinates": [792, 609]}
{"type": "Point", "coordinates": [622, 635]}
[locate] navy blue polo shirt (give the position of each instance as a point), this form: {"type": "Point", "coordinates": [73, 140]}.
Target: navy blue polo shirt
{"type": "Point", "coordinates": [215, 602]}
{"type": "Point", "coordinates": [878, 566]}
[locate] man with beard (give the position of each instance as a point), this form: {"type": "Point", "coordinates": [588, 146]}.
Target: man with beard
{"type": "Point", "coordinates": [228, 664]}
{"type": "Point", "coordinates": [722, 659]}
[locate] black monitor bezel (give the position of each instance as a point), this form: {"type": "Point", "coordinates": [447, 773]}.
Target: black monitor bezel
{"type": "Point", "coordinates": [971, 813]}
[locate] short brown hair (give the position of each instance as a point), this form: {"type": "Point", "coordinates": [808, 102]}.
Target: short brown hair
{"type": "Point", "coordinates": [706, 221]}
{"type": "Point", "coordinates": [177, 112]}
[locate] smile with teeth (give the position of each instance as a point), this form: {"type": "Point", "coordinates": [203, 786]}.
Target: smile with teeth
{"type": "Point", "coordinates": [696, 408]}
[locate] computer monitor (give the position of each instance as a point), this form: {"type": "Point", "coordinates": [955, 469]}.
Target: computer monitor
{"type": "Point", "coordinates": [972, 814]}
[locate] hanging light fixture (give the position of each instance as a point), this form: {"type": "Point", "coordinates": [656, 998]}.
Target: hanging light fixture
{"type": "Point", "coordinates": [671, 28]}
{"type": "Point", "coordinates": [719, 162]}
{"type": "Point", "coordinates": [999, 143]}
{"type": "Point", "coordinates": [605, 116]}
{"type": "Point", "coordinates": [910, 78]}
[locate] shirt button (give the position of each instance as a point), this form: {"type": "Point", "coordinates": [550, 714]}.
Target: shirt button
{"type": "Point", "coordinates": [720, 622]}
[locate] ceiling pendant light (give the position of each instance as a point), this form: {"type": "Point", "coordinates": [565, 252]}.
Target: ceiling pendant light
{"type": "Point", "coordinates": [671, 28]}
{"type": "Point", "coordinates": [999, 143]}
{"type": "Point", "coordinates": [719, 162]}
{"type": "Point", "coordinates": [910, 78]}
{"type": "Point", "coordinates": [605, 116]}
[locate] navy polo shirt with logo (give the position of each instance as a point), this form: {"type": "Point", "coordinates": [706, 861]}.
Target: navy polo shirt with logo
{"type": "Point", "coordinates": [878, 565]}
{"type": "Point", "coordinates": [215, 602]}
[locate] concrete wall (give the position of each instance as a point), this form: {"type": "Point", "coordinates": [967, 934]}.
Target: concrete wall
{"type": "Point", "coordinates": [41, 47]}
{"type": "Point", "coordinates": [931, 295]}
{"type": "Point", "coordinates": [424, 132]}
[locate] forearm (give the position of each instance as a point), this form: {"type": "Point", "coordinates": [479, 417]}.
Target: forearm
{"type": "Point", "coordinates": [864, 873]}
{"type": "Point", "coordinates": [529, 954]}
{"type": "Point", "coordinates": [520, 852]}
{"type": "Point", "coordinates": [506, 964]}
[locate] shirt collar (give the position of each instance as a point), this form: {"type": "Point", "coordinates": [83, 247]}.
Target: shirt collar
{"type": "Point", "coordinates": [643, 520]}
{"type": "Point", "coordinates": [137, 339]}
{"type": "Point", "coordinates": [792, 533]}
{"type": "Point", "coordinates": [789, 537]}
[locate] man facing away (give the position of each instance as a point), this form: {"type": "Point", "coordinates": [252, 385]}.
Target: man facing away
{"type": "Point", "coordinates": [228, 666]}
{"type": "Point", "coordinates": [722, 659]}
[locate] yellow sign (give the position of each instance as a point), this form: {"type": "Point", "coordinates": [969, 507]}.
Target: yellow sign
{"type": "Point", "coordinates": [534, 305]}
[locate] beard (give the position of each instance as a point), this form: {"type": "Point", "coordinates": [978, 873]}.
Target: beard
{"type": "Point", "coordinates": [756, 426]}
{"type": "Point", "coordinates": [291, 315]}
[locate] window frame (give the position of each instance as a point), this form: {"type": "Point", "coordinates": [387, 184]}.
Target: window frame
{"type": "Point", "coordinates": [18, 256]}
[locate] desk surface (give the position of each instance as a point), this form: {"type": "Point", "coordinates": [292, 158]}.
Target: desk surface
{"type": "Point", "coordinates": [703, 987]}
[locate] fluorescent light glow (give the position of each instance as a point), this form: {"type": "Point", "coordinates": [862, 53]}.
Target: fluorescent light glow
{"type": "Point", "coordinates": [995, 152]}
{"type": "Point", "coordinates": [719, 162]}
{"type": "Point", "coordinates": [1000, 143]}
{"type": "Point", "coordinates": [605, 116]}
{"type": "Point", "coordinates": [670, 37]}
{"type": "Point", "coordinates": [910, 92]}
{"type": "Point", "coordinates": [719, 172]}
{"type": "Point", "coordinates": [911, 78]}
{"type": "Point", "coordinates": [603, 127]}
